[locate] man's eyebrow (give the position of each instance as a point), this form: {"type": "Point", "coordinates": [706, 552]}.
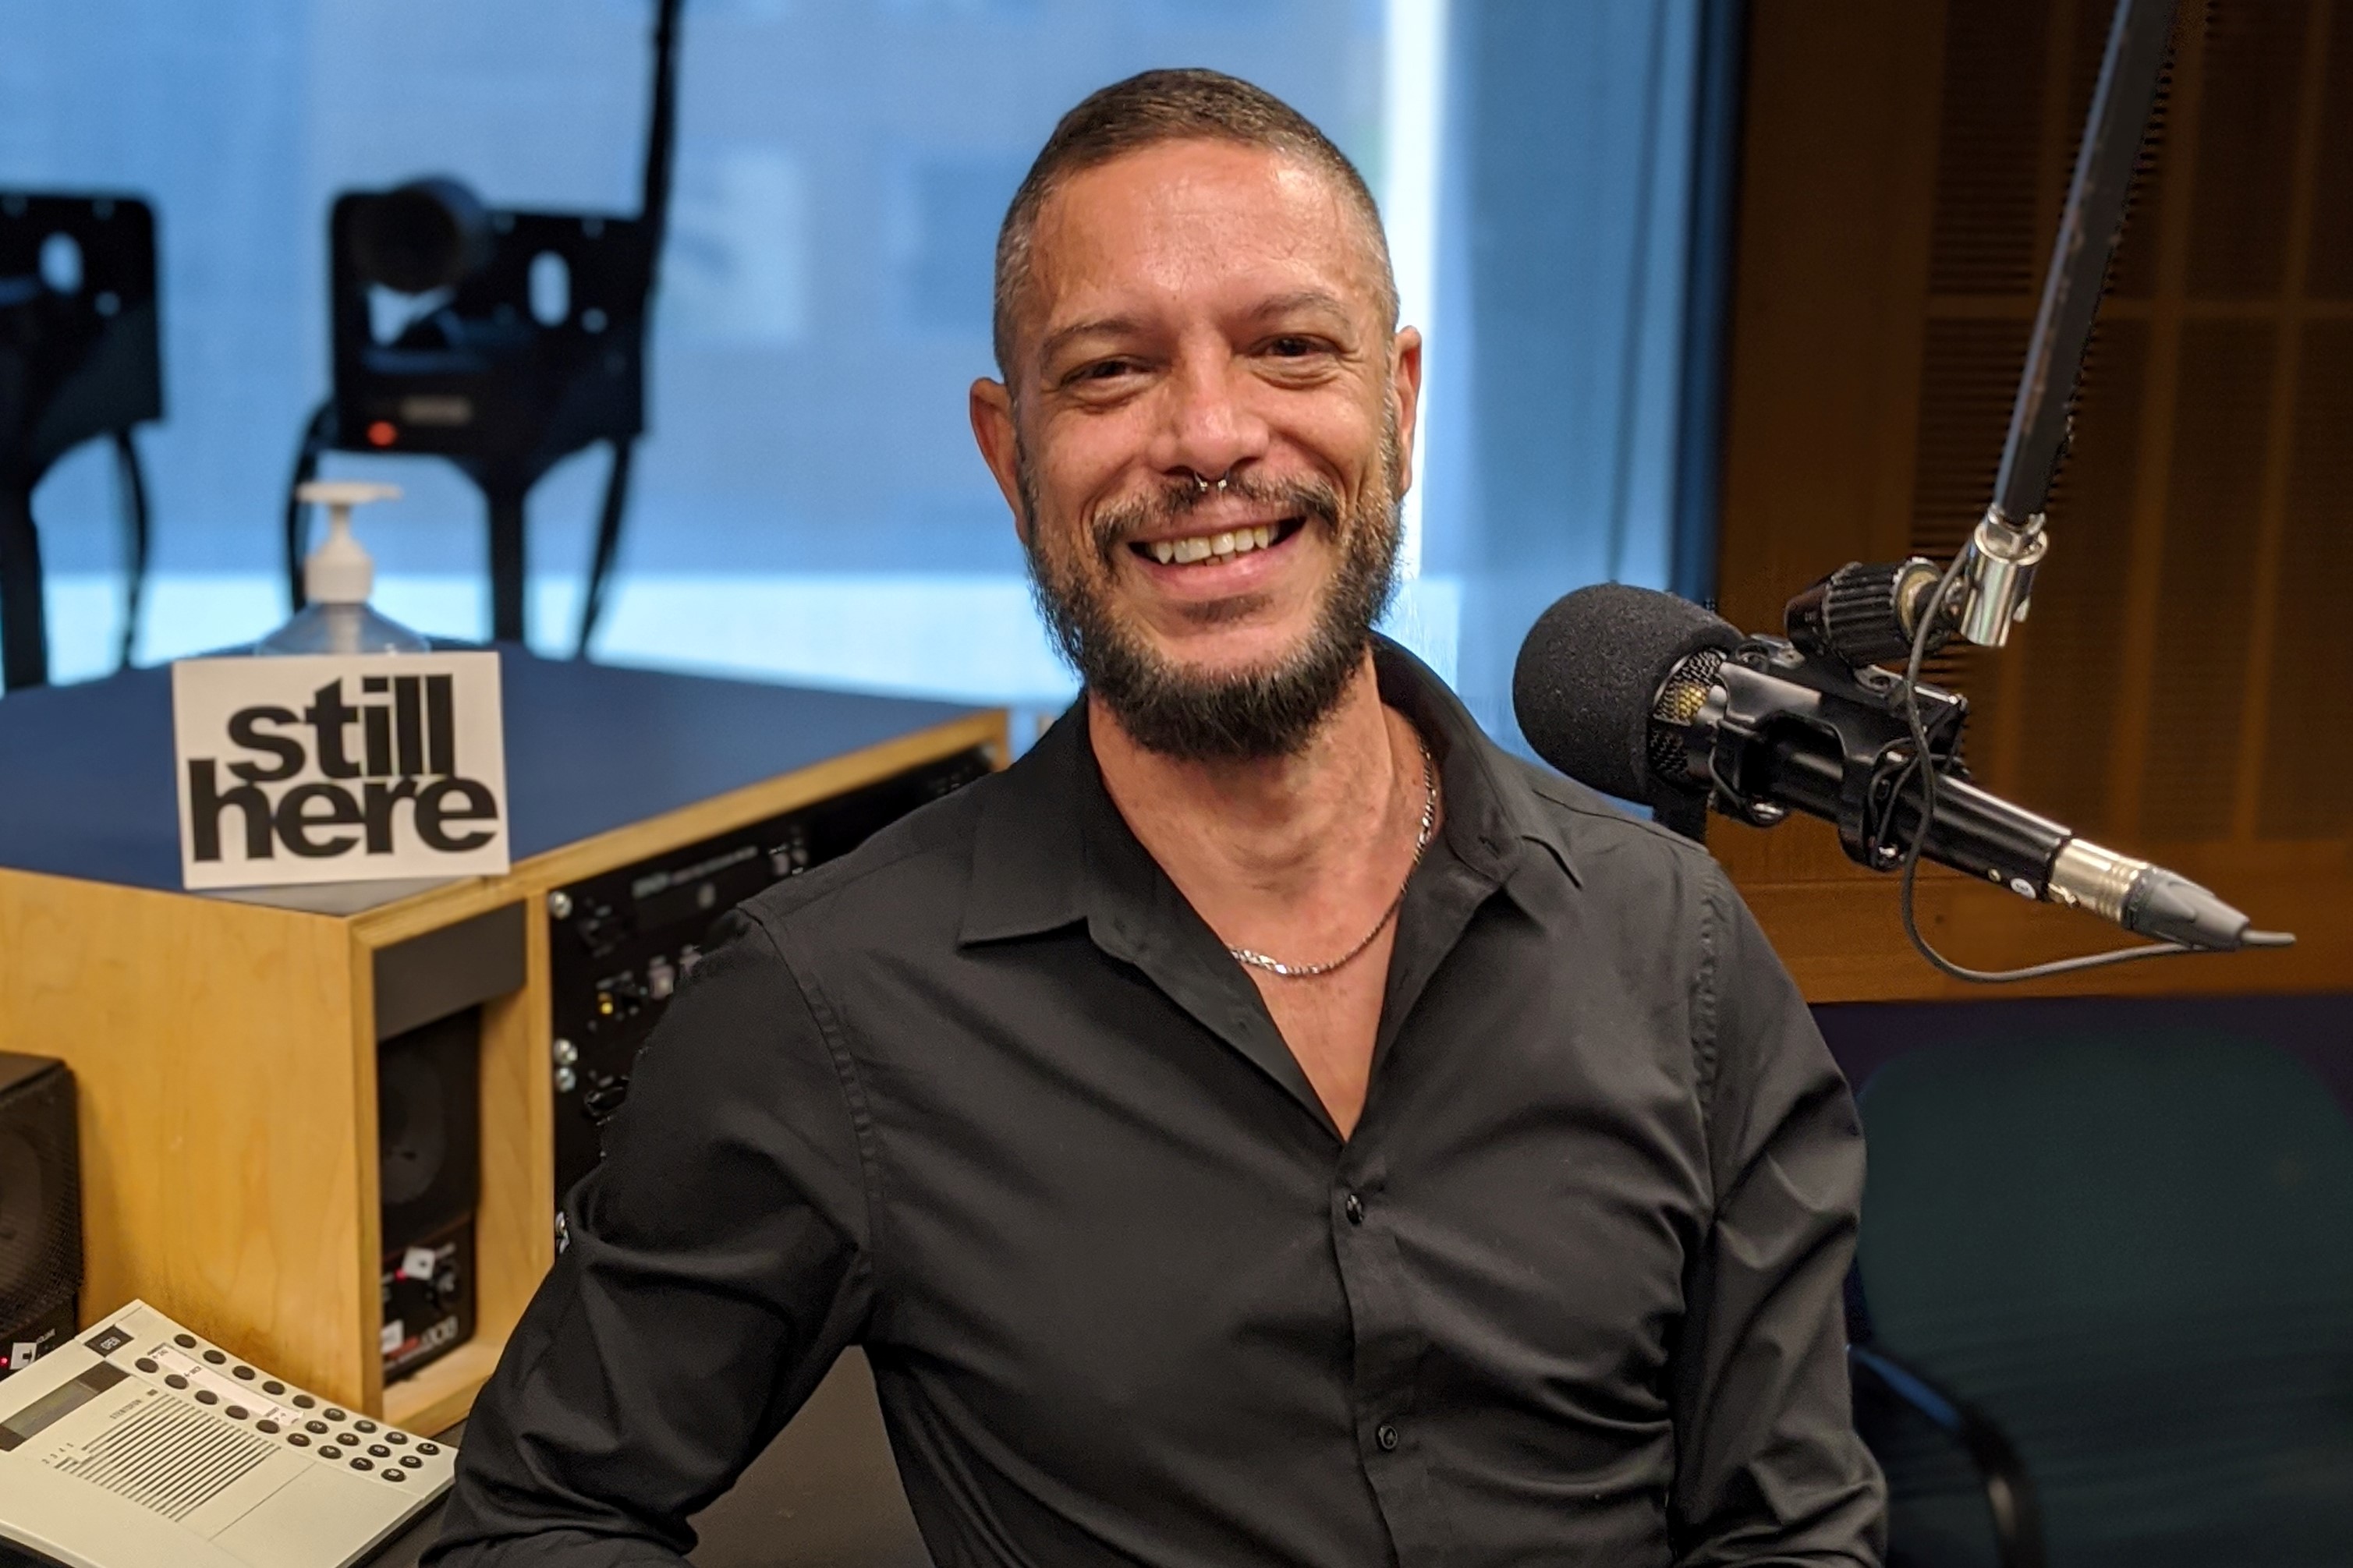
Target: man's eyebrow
{"type": "Point", "coordinates": [1099, 326]}
{"type": "Point", "coordinates": [1300, 299]}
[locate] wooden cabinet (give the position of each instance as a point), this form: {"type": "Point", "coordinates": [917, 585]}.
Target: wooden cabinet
{"type": "Point", "coordinates": [225, 1047]}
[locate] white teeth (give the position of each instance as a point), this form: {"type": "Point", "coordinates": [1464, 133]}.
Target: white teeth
{"type": "Point", "coordinates": [1200, 547]}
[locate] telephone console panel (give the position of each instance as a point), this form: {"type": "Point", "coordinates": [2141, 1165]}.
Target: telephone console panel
{"type": "Point", "coordinates": [141, 1445]}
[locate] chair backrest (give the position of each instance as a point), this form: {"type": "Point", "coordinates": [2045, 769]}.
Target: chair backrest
{"type": "Point", "coordinates": [2135, 1252]}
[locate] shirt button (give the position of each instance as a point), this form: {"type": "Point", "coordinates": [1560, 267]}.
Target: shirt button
{"type": "Point", "coordinates": [1387, 1437]}
{"type": "Point", "coordinates": [1353, 1207]}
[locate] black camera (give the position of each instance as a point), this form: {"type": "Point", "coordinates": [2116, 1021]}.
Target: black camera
{"type": "Point", "coordinates": [502, 341]}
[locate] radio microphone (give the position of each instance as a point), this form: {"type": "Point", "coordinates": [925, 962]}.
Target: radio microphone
{"type": "Point", "coordinates": [1647, 697]}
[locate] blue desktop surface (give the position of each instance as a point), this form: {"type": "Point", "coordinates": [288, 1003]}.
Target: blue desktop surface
{"type": "Point", "coordinates": [86, 786]}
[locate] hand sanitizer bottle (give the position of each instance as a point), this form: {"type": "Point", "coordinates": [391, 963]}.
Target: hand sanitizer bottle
{"type": "Point", "coordinates": [336, 579]}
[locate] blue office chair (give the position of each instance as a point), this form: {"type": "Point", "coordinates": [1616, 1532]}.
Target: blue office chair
{"type": "Point", "coordinates": [2103, 1305]}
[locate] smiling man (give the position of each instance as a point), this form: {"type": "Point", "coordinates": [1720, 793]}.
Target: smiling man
{"type": "Point", "coordinates": [1267, 1123]}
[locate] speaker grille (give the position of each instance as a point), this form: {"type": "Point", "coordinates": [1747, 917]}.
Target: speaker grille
{"type": "Point", "coordinates": [428, 1122]}
{"type": "Point", "coordinates": [166, 1455]}
{"type": "Point", "coordinates": [40, 1198]}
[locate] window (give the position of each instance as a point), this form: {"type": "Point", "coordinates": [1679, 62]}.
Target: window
{"type": "Point", "coordinates": [808, 506]}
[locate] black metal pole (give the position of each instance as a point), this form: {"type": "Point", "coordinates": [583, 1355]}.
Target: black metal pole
{"type": "Point", "coordinates": [2088, 226]}
{"type": "Point", "coordinates": [653, 210]}
{"type": "Point", "coordinates": [136, 532]}
{"type": "Point", "coordinates": [508, 582]}
{"type": "Point", "coordinates": [24, 621]}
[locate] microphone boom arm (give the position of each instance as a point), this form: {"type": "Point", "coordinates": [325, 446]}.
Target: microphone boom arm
{"type": "Point", "coordinates": [2009, 541]}
{"type": "Point", "coordinates": [1864, 615]}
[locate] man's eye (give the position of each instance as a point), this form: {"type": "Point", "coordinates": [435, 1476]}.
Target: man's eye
{"type": "Point", "coordinates": [1292, 348]}
{"type": "Point", "coordinates": [1104, 370]}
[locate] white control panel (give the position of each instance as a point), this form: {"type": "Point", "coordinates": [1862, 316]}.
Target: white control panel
{"type": "Point", "coordinates": [140, 1444]}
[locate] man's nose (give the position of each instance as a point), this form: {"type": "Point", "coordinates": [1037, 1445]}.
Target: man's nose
{"type": "Point", "coordinates": [1211, 427]}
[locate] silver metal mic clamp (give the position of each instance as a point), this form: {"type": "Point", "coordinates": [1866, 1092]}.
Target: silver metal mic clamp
{"type": "Point", "coordinates": [1996, 585]}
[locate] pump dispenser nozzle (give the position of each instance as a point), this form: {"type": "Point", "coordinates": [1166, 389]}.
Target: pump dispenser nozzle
{"type": "Point", "coordinates": [339, 572]}
{"type": "Point", "coordinates": [337, 578]}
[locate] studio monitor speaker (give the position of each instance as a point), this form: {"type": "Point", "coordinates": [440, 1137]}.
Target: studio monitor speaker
{"type": "Point", "coordinates": [40, 1208]}
{"type": "Point", "coordinates": [428, 1146]}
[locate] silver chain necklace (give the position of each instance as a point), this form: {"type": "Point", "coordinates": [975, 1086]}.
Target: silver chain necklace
{"type": "Point", "coordinates": [1256, 960]}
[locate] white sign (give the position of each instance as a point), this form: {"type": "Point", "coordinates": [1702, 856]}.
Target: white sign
{"type": "Point", "coordinates": [339, 768]}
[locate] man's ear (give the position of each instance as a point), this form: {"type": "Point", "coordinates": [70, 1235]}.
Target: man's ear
{"type": "Point", "coordinates": [1404, 386]}
{"type": "Point", "coordinates": [991, 406]}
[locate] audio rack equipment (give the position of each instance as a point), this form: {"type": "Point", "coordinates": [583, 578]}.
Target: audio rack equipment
{"type": "Point", "coordinates": [618, 944]}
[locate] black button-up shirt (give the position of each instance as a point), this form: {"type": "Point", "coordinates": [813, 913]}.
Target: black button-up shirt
{"type": "Point", "coordinates": [989, 1099]}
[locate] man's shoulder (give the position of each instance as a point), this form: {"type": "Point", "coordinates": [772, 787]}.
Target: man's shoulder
{"type": "Point", "coordinates": [1657, 885]}
{"type": "Point", "coordinates": [906, 883]}
{"type": "Point", "coordinates": [1603, 835]}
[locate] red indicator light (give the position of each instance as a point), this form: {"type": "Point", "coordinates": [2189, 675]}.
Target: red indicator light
{"type": "Point", "coordinates": [383, 433]}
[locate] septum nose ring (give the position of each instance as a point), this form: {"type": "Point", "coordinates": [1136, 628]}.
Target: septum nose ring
{"type": "Point", "coordinates": [1202, 486]}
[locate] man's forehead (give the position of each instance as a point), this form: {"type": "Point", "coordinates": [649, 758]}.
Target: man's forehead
{"type": "Point", "coordinates": [1206, 221]}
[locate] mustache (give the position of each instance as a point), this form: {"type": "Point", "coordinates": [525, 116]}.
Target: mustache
{"type": "Point", "coordinates": [1121, 523]}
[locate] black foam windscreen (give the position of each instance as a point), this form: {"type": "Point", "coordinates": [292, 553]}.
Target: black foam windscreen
{"type": "Point", "coordinates": [1589, 673]}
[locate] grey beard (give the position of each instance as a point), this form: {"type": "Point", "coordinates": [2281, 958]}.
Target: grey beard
{"type": "Point", "coordinates": [1248, 716]}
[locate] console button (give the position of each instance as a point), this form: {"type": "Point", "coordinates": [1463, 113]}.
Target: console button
{"type": "Point", "coordinates": [216, 1358]}
{"type": "Point", "coordinates": [235, 1413]}
{"type": "Point", "coordinates": [331, 1414]}
{"type": "Point", "coordinates": [411, 1462]}
{"type": "Point", "coordinates": [206, 1396]}
{"type": "Point", "coordinates": [359, 1463]}
{"type": "Point", "coordinates": [318, 1426]}
{"type": "Point", "coordinates": [144, 1365]}
{"type": "Point", "coordinates": [379, 1451]}
{"type": "Point", "coordinates": [299, 1440]}
{"type": "Point", "coordinates": [174, 1380]}
{"type": "Point", "coordinates": [185, 1342]}
{"type": "Point", "coordinates": [428, 1448]}
{"type": "Point", "coordinates": [242, 1373]}
{"type": "Point", "coordinates": [396, 1437]}
{"type": "Point", "coordinates": [364, 1425]}
{"type": "Point", "coordinates": [265, 1424]}
{"type": "Point", "coordinates": [394, 1476]}
{"type": "Point", "coordinates": [303, 1402]}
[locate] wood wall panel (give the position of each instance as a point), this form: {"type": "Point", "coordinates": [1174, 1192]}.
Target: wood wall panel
{"type": "Point", "coordinates": [2329, 274]}
{"type": "Point", "coordinates": [2205, 581]}
{"type": "Point", "coordinates": [2238, 233]}
{"type": "Point", "coordinates": [2078, 619]}
{"type": "Point", "coordinates": [2307, 774]}
{"type": "Point", "coordinates": [2174, 691]}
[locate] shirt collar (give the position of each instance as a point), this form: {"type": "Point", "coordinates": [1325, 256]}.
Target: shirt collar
{"type": "Point", "coordinates": [1051, 848]}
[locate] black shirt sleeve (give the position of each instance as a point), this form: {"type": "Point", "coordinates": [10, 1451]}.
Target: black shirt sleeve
{"type": "Point", "coordinates": [1770, 1469]}
{"type": "Point", "coordinates": [717, 1265]}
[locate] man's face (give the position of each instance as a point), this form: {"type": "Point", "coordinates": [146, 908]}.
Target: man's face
{"type": "Point", "coordinates": [1200, 311]}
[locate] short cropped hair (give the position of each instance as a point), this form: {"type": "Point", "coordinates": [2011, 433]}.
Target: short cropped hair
{"type": "Point", "coordinates": [1152, 108]}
